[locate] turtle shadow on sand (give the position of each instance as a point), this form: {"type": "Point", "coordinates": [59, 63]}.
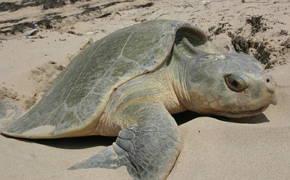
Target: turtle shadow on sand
{"type": "Point", "coordinates": [186, 116]}
{"type": "Point", "coordinates": [72, 143]}
{"type": "Point", "coordinates": [93, 141]}
{"type": "Point", "coordinates": [261, 118]}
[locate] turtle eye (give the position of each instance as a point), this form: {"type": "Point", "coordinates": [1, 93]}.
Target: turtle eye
{"type": "Point", "coordinates": [235, 82]}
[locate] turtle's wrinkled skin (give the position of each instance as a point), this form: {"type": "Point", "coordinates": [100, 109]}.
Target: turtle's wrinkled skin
{"type": "Point", "coordinates": [129, 83]}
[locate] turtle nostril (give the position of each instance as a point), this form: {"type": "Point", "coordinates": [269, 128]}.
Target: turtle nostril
{"type": "Point", "coordinates": [267, 80]}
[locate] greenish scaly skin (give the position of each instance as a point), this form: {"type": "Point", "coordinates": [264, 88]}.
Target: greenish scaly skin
{"type": "Point", "coordinates": [204, 88]}
{"type": "Point", "coordinates": [130, 82]}
{"type": "Point", "coordinates": [148, 149]}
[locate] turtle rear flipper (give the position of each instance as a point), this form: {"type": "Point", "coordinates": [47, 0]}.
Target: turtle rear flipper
{"type": "Point", "coordinates": [148, 149]}
{"type": "Point", "coordinates": [8, 111]}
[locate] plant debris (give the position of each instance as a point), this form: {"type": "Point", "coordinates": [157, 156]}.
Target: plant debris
{"type": "Point", "coordinates": [54, 19]}
{"type": "Point", "coordinates": [257, 24]}
{"type": "Point", "coordinates": [144, 5]}
{"type": "Point", "coordinates": [286, 43]}
{"type": "Point", "coordinates": [48, 4]}
{"type": "Point", "coordinates": [258, 49]}
{"type": "Point", "coordinates": [219, 29]}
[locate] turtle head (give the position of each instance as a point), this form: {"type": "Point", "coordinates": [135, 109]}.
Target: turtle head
{"type": "Point", "coordinates": [230, 85]}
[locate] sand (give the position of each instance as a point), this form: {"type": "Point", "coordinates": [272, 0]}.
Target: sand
{"type": "Point", "coordinates": [252, 148]}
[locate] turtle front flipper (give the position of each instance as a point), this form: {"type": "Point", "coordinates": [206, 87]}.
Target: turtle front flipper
{"type": "Point", "coordinates": [148, 149]}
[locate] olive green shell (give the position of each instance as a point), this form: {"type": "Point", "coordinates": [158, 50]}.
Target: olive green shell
{"type": "Point", "coordinates": [80, 94]}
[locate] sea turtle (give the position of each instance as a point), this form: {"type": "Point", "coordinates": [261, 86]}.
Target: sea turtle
{"type": "Point", "coordinates": [128, 84]}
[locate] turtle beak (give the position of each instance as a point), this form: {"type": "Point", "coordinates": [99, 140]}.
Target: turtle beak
{"type": "Point", "coordinates": [274, 100]}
